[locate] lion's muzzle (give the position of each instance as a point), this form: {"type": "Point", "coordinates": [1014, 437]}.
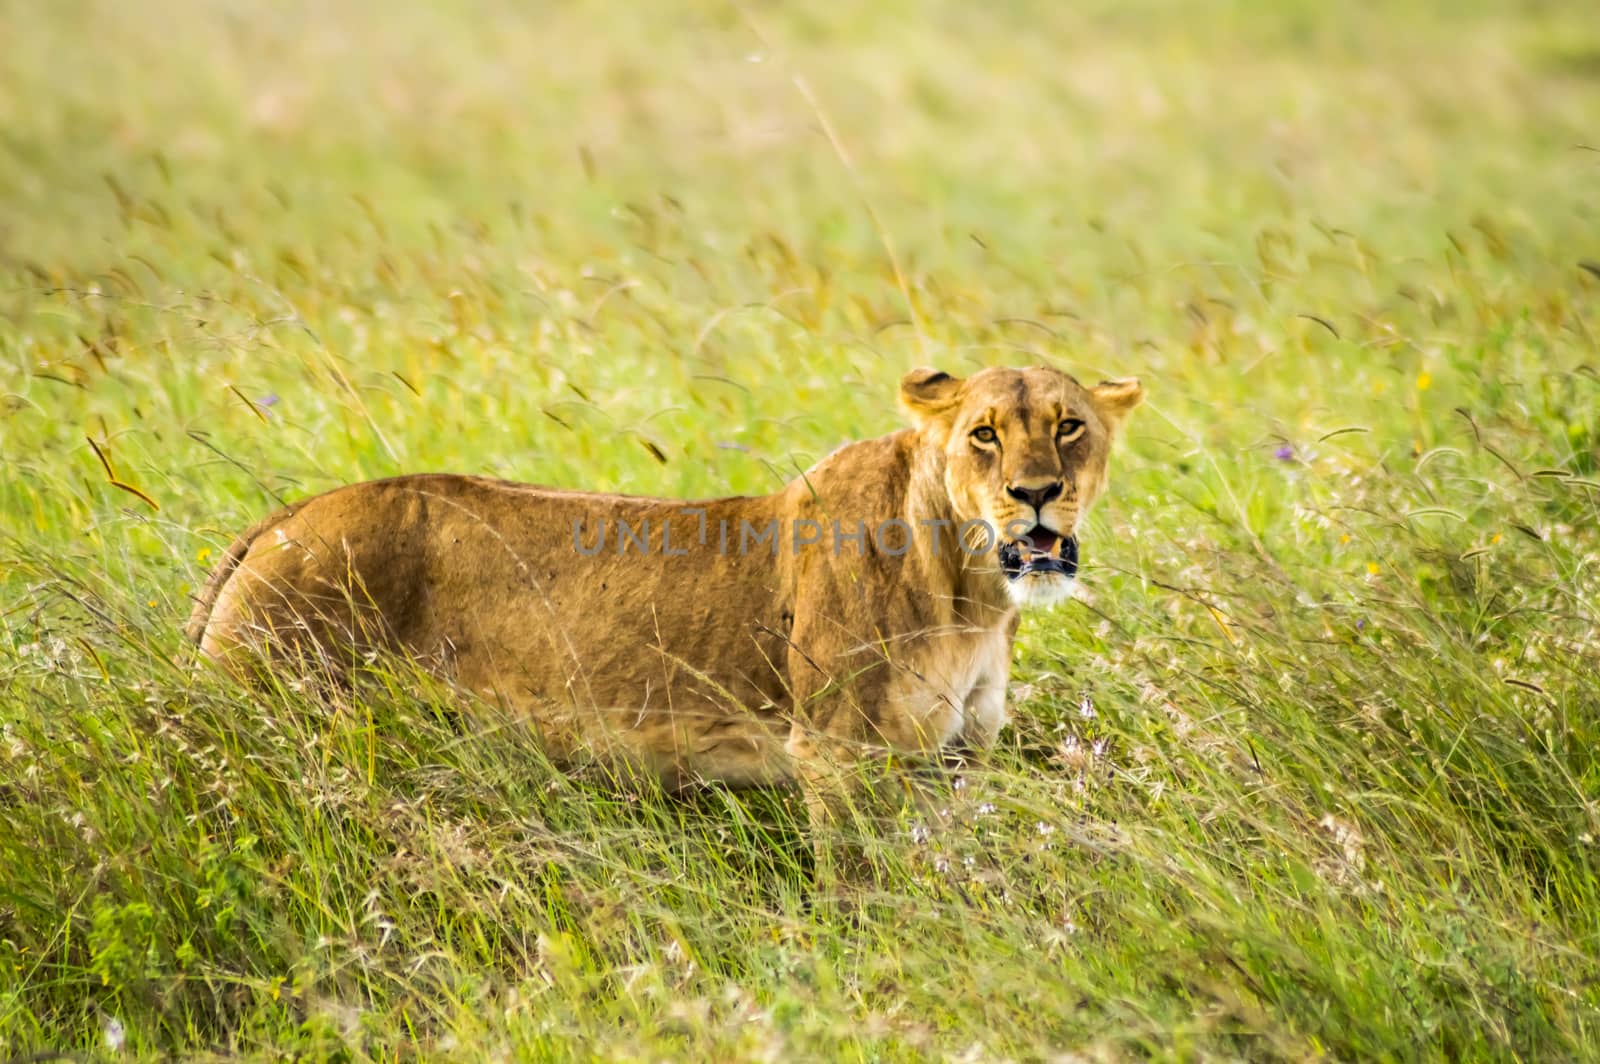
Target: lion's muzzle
{"type": "Point", "coordinates": [1039, 552]}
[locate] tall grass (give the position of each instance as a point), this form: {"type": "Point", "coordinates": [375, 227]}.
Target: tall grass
{"type": "Point", "coordinates": [1310, 772]}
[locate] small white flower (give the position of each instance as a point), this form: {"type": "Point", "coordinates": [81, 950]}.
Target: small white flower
{"type": "Point", "coordinates": [1086, 708]}
{"type": "Point", "coordinates": [919, 833]}
{"type": "Point", "coordinates": [115, 1035]}
{"type": "Point", "coordinates": [986, 808]}
{"type": "Point", "coordinates": [1045, 829]}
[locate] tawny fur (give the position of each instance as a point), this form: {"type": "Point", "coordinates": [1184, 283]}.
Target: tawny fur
{"type": "Point", "coordinates": [744, 665]}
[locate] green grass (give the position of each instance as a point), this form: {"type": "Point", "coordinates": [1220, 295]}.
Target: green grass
{"type": "Point", "coordinates": [1314, 773]}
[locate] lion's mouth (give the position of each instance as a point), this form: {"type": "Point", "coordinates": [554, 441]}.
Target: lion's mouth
{"type": "Point", "coordinates": [1039, 552]}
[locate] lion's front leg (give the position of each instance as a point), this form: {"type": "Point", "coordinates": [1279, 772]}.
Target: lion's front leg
{"type": "Point", "coordinates": [839, 751]}
{"type": "Point", "coordinates": [858, 748]}
{"type": "Point", "coordinates": [830, 773]}
{"type": "Point", "coordinates": [841, 774]}
{"type": "Point", "coordinates": [984, 715]}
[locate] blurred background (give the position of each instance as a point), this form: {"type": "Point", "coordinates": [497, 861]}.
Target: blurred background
{"type": "Point", "coordinates": [440, 225]}
{"type": "Point", "coordinates": [256, 250]}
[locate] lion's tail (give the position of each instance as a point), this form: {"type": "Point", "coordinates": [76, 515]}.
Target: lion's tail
{"type": "Point", "coordinates": [206, 601]}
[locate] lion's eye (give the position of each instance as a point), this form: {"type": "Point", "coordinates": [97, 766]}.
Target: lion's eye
{"type": "Point", "coordinates": [1069, 430]}
{"type": "Point", "coordinates": [984, 434]}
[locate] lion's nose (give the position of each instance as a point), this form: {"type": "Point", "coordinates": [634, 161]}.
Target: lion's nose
{"type": "Point", "coordinates": [1036, 497]}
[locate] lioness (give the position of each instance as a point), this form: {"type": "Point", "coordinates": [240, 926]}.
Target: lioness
{"type": "Point", "coordinates": [868, 605]}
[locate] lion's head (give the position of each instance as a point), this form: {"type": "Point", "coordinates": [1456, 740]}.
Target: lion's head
{"type": "Point", "coordinates": [1025, 454]}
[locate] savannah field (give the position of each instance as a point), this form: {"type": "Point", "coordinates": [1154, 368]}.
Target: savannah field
{"type": "Point", "coordinates": [1311, 771]}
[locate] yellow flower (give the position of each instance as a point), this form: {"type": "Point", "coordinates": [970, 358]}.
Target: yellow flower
{"type": "Point", "coordinates": [152, 603]}
{"type": "Point", "coordinates": [1372, 568]}
{"type": "Point", "coordinates": [1344, 538]}
{"type": "Point", "coordinates": [1423, 380]}
{"type": "Point", "coordinates": [1496, 538]}
{"type": "Point", "coordinates": [205, 552]}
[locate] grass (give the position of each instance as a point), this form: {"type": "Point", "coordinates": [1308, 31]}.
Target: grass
{"type": "Point", "coordinates": [1313, 772]}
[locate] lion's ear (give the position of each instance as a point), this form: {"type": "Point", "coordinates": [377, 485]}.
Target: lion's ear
{"type": "Point", "coordinates": [1116, 398]}
{"type": "Point", "coordinates": [927, 393]}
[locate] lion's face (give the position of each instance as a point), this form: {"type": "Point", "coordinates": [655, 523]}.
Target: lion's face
{"type": "Point", "coordinates": [1025, 455]}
